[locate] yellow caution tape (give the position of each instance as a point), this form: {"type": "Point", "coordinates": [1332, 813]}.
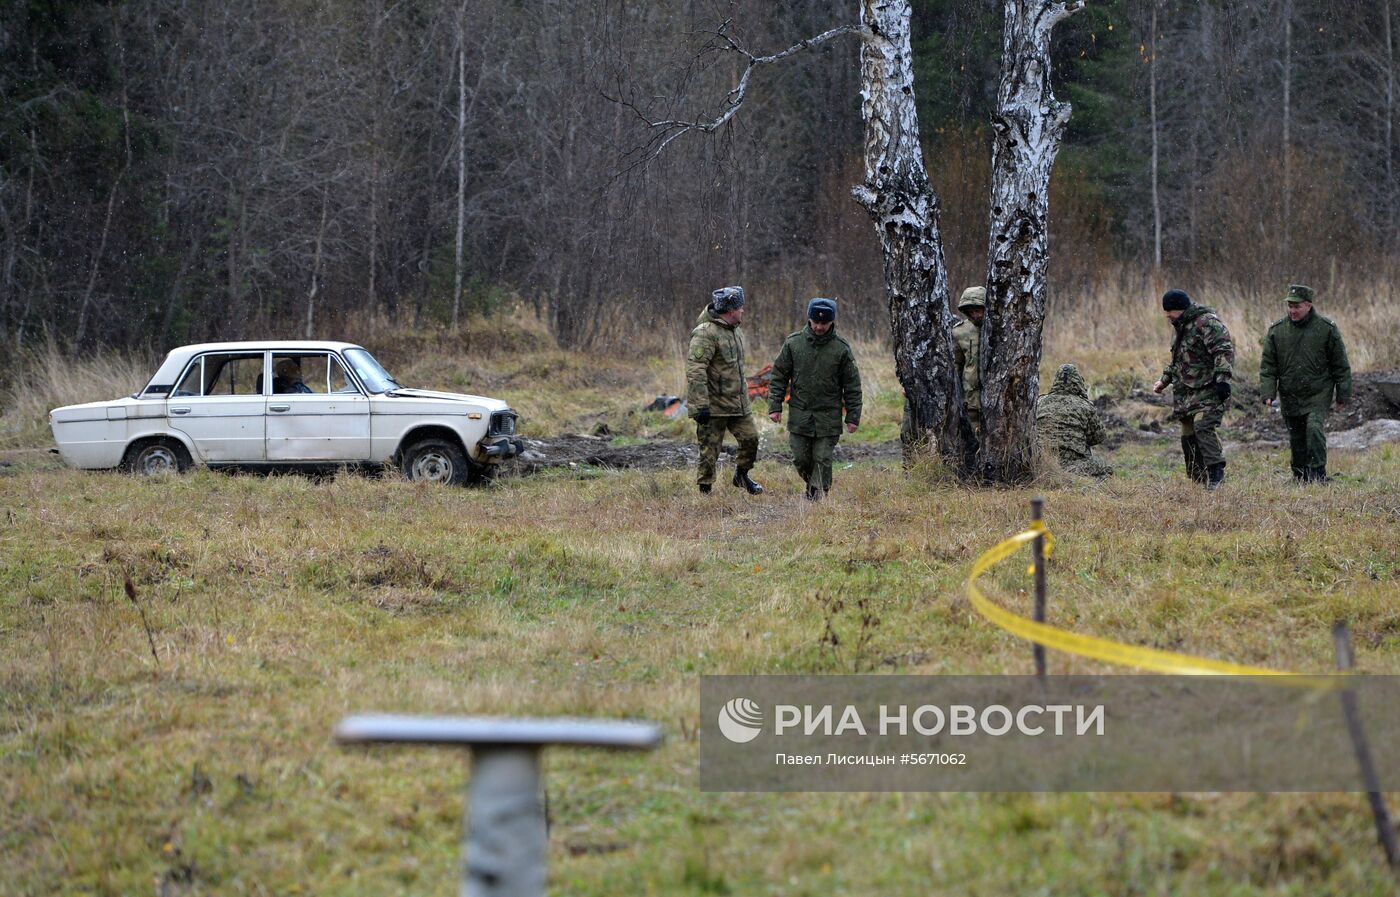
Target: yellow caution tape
{"type": "Point", "coordinates": [1110, 651]}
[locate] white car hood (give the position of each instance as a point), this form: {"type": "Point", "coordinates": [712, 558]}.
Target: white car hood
{"type": "Point", "coordinates": [454, 397]}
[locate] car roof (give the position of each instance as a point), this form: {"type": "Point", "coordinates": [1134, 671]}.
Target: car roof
{"type": "Point", "coordinates": [263, 345]}
{"type": "Point", "coordinates": [176, 359]}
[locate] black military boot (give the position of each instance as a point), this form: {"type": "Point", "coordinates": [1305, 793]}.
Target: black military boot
{"type": "Point", "coordinates": [742, 478]}
{"type": "Point", "coordinates": [1216, 474]}
{"type": "Point", "coordinates": [1302, 475]}
{"type": "Point", "coordinates": [704, 488]}
{"type": "Point", "coordinates": [1195, 465]}
{"type": "Point", "coordinates": [813, 493]}
{"type": "Point", "coordinates": [1319, 474]}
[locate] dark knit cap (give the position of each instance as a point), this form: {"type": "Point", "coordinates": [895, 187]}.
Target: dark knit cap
{"type": "Point", "coordinates": [1175, 300]}
{"type": "Point", "coordinates": [821, 310]}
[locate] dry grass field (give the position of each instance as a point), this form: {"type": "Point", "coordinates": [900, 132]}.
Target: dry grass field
{"type": "Point", "coordinates": [179, 743]}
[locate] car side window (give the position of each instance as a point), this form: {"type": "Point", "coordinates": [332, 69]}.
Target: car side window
{"type": "Point", "coordinates": [339, 380]}
{"type": "Point", "coordinates": [303, 374]}
{"type": "Point", "coordinates": [193, 384]}
{"type": "Point", "coordinates": [233, 375]}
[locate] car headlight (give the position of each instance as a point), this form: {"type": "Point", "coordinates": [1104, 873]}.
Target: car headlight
{"type": "Point", "coordinates": [502, 424]}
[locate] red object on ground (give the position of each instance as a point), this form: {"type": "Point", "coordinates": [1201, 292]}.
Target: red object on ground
{"type": "Point", "coordinates": [758, 383]}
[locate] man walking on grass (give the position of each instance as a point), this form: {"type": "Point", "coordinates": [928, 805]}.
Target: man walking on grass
{"type": "Point", "coordinates": [717, 392]}
{"type": "Point", "coordinates": [1305, 365]}
{"type": "Point", "coordinates": [817, 368]}
{"type": "Point", "coordinates": [1200, 371]}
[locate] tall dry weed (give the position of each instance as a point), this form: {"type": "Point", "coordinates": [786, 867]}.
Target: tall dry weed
{"type": "Point", "coordinates": [1118, 326]}
{"type": "Point", "coordinates": [47, 377]}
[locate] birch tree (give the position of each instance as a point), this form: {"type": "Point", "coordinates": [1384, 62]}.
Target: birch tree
{"type": "Point", "coordinates": [904, 208]}
{"type": "Point", "coordinates": [1027, 127]}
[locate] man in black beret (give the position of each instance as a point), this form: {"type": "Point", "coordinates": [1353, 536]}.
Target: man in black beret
{"type": "Point", "coordinates": [1202, 365]}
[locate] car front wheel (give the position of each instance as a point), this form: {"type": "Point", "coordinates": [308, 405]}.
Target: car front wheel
{"type": "Point", "coordinates": [156, 457]}
{"type": "Point", "coordinates": [436, 461]}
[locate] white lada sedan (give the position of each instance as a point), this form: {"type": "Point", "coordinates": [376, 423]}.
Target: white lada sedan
{"type": "Point", "coordinates": [286, 404]}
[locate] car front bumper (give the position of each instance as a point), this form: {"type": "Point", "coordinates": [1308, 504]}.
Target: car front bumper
{"type": "Point", "coordinates": [499, 448]}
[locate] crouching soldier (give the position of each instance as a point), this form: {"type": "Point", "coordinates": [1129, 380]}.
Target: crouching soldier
{"type": "Point", "coordinates": [717, 392]}
{"type": "Point", "coordinates": [1200, 371]}
{"type": "Point", "coordinates": [818, 368]}
{"type": "Point", "coordinates": [1068, 425]}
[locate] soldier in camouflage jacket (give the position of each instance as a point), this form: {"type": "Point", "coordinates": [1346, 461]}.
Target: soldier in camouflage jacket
{"type": "Point", "coordinates": [1200, 372]}
{"type": "Point", "coordinates": [716, 390]}
{"type": "Point", "coordinates": [1067, 424]}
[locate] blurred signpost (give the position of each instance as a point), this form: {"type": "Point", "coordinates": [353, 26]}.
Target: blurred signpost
{"type": "Point", "coordinates": [505, 847]}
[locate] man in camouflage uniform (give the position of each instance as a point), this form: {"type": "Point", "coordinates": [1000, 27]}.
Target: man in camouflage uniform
{"type": "Point", "coordinates": [1200, 371]}
{"type": "Point", "coordinates": [1068, 425]}
{"type": "Point", "coordinates": [1305, 365]}
{"type": "Point", "coordinates": [717, 392]}
{"type": "Point", "coordinates": [817, 368]}
{"type": "Point", "coordinates": [967, 342]}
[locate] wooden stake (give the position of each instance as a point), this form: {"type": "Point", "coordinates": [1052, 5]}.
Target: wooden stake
{"type": "Point", "coordinates": [1385, 830]}
{"type": "Point", "coordinates": [1038, 556]}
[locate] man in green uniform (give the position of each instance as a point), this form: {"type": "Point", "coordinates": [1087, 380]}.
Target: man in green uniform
{"type": "Point", "coordinates": [967, 343]}
{"type": "Point", "coordinates": [1068, 425]}
{"type": "Point", "coordinates": [817, 372]}
{"type": "Point", "coordinates": [1305, 365]}
{"type": "Point", "coordinates": [1200, 371]}
{"type": "Point", "coordinates": [716, 391]}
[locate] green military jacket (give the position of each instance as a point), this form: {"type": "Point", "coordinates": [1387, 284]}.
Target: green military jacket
{"type": "Point", "coordinates": [1304, 364]}
{"type": "Point", "coordinates": [1066, 422]}
{"type": "Point", "coordinates": [1202, 351]}
{"type": "Point", "coordinates": [714, 368]}
{"type": "Point", "coordinates": [821, 375]}
{"type": "Point", "coordinates": [967, 342]}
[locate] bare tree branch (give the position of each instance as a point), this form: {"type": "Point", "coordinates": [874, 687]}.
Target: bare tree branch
{"type": "Point", "coordinates": [668, 129]}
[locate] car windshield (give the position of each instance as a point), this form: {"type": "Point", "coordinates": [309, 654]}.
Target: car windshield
{"type": "Point", "coordinates": [370, 371]}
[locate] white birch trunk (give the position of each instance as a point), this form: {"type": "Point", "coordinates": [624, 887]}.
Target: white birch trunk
{"type": "Point", "coordinates": [1390, 186]}
{"type": "Point", "coordinates": [457, 260]}
{"type": "Point", "coordinates": [1027, 128]}
{"type": "Point", "coordinates": [1287, 115]}
{"type": "Point", "coordinates": [1152, 111]}
{"type": "Point", "coordinates": [904, 207]}
{"type": "Point", "coordinates": [316, 271]}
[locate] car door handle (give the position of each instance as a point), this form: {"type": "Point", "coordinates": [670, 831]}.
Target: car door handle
{"type": "Point", "coordinates": [282, 407]}
{"type": "Point", "coordinates": [183, 409]}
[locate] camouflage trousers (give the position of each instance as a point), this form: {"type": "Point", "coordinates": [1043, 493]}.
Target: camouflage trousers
{"type": "Point", "coordinates": [1307, 440]}
{"type": "Point", "coordinates": [812, 456]}
{"type": "Point", "coordinates": [711, 437]}
{"type": "Point", "coordinates": [1201, 419]}
{"type": "Point", "coordinates": [1087, 467]}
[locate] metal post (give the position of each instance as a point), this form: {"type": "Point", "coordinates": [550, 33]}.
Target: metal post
{"type": "Point", "coordinates": [505, 846]}
{"type": "Point", "coordinates": [1038, 558]}
{"type": "Point", "coordinates": [1385, 830]}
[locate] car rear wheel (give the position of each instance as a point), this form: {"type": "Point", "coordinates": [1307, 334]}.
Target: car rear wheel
{"type": "Point", "coordinates": [436, 461]}
{"type": "Point", "coordinates": [156, 457]}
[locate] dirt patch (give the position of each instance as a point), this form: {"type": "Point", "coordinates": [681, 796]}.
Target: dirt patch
{"type": "Point", "coordinates": [1143, 415]}
{"type": "Point", "coordinates": [575, 450]}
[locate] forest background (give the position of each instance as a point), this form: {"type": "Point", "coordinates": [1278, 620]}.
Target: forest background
{"type": "Point", "coordinates": [174, 171]}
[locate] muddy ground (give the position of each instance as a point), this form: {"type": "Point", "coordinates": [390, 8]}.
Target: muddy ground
{"type": "Point", "coordinates": [576, 450]}
{"type": "Point", "coordinates": [1139, 416]}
